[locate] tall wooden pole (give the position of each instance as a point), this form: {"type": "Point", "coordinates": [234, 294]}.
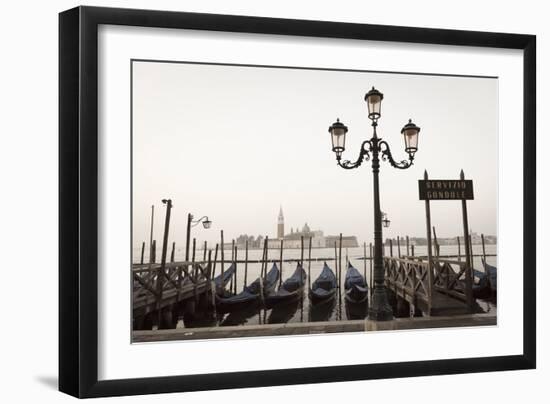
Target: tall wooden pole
{"type": "Point", "coordinates": [188, 236]}
{"type": "Point", "coordinates": [172, 254]}
{"type": "Point", "coordinates": [215, 259]}
{"type": "Point", "coordinates": [437, 252]}
{"type": "Point", "coordinates": [281, 263]}
{"type": "Point", "coordinates": [204, 251]}
{"type": "Point", "coordinates": [458, 243]}
{"type": "Point", "coordinates": [309, 261]}
{"type": "Point", "coordinates": [365, 261]}
{"type": "Point", "coordinates": [142, 252]}
{"type": "Point", "coordinates": [336, 262]}
{"type": "Point", "coordinates": [222, 248]}
{"type": "Point", "coordinates": [484, 256]}
{"type": "Point", "coordinates": [301, 250]}
{"type": "Point", "coordinates": [195, 272]}
{"type": "Point", "coordinates": [151, 236]}
{"type": "Point", "coordinates": [266, 253]}
{"type": "Point", "coordinates": [187, 242]}
{"type": "Point", "coordinates": [471, 252]}
{"type": "Point", "coordinates": [429, 238]}
{"type": "Point", "coordinates": [161, 274]}
{"type": "Point", "coordinates": [468, 275]}
{"type": "Point", "coordinates": [245, 261]}
{"type": "Point", "coordinates": [408, 251]}
{"type": "Point", "coordinates": [398, 248]}
{"type": "Point", "coordinates": [235, 276]}
{"type": "Point", "coordinates": [211, 283]}
{"type": "Point", "coordinates": [154, 252]}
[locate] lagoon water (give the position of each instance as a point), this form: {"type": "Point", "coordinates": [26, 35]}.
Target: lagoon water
{"type": "Point", "coordinates": [302, 311]}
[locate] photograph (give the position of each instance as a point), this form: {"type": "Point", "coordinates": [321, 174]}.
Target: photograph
{"type": "Point", "coordinates": [277, 200]}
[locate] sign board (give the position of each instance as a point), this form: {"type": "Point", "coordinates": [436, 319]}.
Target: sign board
{"type": "Point", "coordinates": [446, 189]}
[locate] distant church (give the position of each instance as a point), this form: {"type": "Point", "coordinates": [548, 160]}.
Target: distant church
{"type": "Point", "coordinates": [281, 224]}
{"type": "Point", "coordinates": [318, 239]}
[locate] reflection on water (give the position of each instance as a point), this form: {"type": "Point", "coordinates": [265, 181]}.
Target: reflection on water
{"type": "Point", "coordinates": [186, 315]}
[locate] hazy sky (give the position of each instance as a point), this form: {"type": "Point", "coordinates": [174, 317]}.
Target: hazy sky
{"type": "Point", "coordinates": [235, 143]}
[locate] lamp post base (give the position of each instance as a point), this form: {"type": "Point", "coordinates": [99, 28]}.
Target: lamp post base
{"type": "Point", "coordinates": [380, 310]}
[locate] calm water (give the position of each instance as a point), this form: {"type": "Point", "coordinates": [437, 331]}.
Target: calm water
{"type": "Point", "coordinates": [302, 311]}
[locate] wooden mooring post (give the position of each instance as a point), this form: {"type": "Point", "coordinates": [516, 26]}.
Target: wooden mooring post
{"type": "Point", "coordinates": [142, 252]}
{"type": "Point", "coordinates": [194, 270]}
{"type": "Point", "coordinates": [245, 262]}
{"type": "Point", "coordinates": [429, 246]}
{"type": "Point", "coordinates": [262, 277]}
{"type": "Point", "coordinates": [309, 263]}
{"type": "Point", "coordinates": [301, 250]}
{"type": "Point", "coordinates": [222, 255]}
{"type": "Point", "coordinates": [365, 260]}
{"type": "Point", "coordinates": [215, 260]}
{"type": "Point", "coordinates": [281, 263]}
{"type": "Point", "coordinates": [161, 274]}
{"type": "Point", "coordinates": [398, 248]}
{"type": "Point", "coordinates": [469, 279]}
{"type": "Point", "coordinates": [436, 243]}
{"type": "Point", "coordinates": [336, 264]}
{"type": "Point", "coordinates": [154, 252]}
{"type": "Point", "coordinates": [151, 236]}
{"type": "Point", "coordinates": [408, 251]}
{"type": "Point", "coordinates": [211, 283]}
{"type": "Point", "coordinates": [235, 275]}
{"type": "Point", "coordinates": [173, 251]}
{"type": "Point", "coordinates": [483, 252]}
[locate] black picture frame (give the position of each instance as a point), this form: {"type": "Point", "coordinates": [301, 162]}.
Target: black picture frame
{"type": "Point", "coordinates": [78, 200]}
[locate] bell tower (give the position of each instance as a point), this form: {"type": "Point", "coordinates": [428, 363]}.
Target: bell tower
{"type": "Point", "coordinates": [280, 224]}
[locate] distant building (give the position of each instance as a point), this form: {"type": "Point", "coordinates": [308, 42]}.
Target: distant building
{"type": "Point", "coordinates": [280, 224]}
{"type": "Point", "coordinates": [318, 239]}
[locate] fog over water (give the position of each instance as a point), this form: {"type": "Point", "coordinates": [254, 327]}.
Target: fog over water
{"type": "Point", "coordinates": [236, 143]}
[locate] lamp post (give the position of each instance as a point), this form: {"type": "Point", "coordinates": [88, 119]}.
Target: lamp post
{"type": "Point", "coordinates": [374, 149]}
{"type": "Point", "coordinates": [385, 220]}
{"type": "Point", "coordinates": [206, 223]}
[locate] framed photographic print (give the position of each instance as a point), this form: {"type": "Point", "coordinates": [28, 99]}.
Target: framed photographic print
{"type": "Point", "coordinates": [239, 187]}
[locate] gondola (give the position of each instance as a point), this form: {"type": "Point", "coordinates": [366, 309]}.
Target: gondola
{"type": "Point", "coordinates": [487, 282]}
{"type": "Point", "coordinates": [250, 293]}
{"type": "Point", "coordinates": [222, 280]}
{"type": "Point", "coordinates": [323, 289]}
{"type": "Point", "coordinates": [491, 271]}
{"type": "Point", "coordinates": [290, 290]}
{"type": "Point", "coordinates": [355, 286]}
{"type": "Point", "coordinates": [480, 288]}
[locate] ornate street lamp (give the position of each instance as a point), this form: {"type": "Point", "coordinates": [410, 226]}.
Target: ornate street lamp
{"type": "Point", "coordinates": [205, 222]}
{"type": "Point", "coordinates": [338, 133]}
{"type": "Point", "coordinates": [376, 148]}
